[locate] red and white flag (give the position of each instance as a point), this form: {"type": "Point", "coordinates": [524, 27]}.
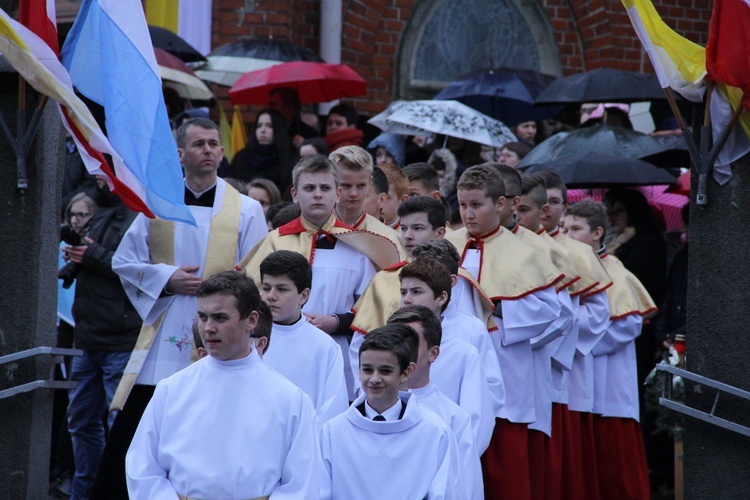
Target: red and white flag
{"type": "Point", "coordinates": [40, 17]}
{"type": "Point", "coordinates": [728, 48]}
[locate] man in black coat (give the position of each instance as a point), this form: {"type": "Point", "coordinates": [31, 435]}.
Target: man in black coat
{"type": "Point", "coordinates": [106, 328]}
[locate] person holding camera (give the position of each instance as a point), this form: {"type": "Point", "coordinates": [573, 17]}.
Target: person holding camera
{"type": "Point", "coordinates": [106, 328]}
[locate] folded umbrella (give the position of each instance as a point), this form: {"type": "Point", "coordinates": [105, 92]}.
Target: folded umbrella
{"type": "Point", "coordinates": [313, 81]}
{"type": "Point", "coordinates": [596, 170]}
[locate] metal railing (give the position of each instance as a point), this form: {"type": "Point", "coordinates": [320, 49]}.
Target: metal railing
{"type": "Point", "coordinates": [59, 354]}
{"type": "Point", "coordinates": [666, 400]}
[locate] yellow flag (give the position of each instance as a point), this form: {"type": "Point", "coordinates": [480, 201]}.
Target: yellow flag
{"type": "Point", "coordinates": [239, 139]}
{"type": "Point", "coordinates": [226, 134]}
{"type": "Point", "coordinates": [678, 62]}
{"type": "Point", "coordinates": [163, 13]}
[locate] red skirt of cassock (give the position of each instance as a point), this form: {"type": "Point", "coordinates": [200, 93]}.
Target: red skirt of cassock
{"type": "Point", "coordinates": [621, 459]}
{"type": "Point", "coordinates": [505, 464]}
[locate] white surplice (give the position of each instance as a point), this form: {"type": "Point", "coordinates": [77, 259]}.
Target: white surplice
{"type": "Point", "coordinates": [412, 458]}
{"type": "Point", "coordinates": [310, 359]}
{"type": "Point", "coordinates": [474, 331]}
{"type": "Point", "coordinates": [458, 374]}
{"type": "Point", "coordinates": [144, 282]}
{"type": "Point", "coordinates": [340, 276]}
{"type": "Point", "coordinates": [225, 429]}
{"type": "Point", "coordinates": [460, 423]}
{"type": "Point", "coordinates": [519, 321]}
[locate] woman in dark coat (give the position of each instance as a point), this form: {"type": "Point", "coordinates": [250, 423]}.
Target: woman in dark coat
{"type": "Point", "coordinates": [268, 154]}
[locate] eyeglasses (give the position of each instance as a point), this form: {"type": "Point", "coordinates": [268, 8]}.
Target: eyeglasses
{"type": "Point", "coordinates": [79, 215]}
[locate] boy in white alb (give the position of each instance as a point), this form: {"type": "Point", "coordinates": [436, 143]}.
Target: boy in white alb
{"type": "Point", "coordinates": [523, 287]}
{"type": "Point", "coordinates": [343, 260]}
{"type": "Point", "coordinates": [593, 322]}
{"type": "Point", "coordinates": [386, 445]}
{"type": "Point", "coordinates": [196, 431]}
{"type": "Point", "coordinates": [458, 372]}
{"type": "Point", "coordinates": [305, 355]}
{"type": "Point", "coordinates": [620, 457]}
{"type": "Point", "coordinates": [429, 332]}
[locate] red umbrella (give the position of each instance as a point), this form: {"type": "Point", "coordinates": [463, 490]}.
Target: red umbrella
{"type": "Point", "coordinates": [313, 81]}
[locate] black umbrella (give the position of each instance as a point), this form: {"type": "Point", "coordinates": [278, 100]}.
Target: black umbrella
{"type": "Point", "coordinates": [597, 170]}
{"type": "Point", "coordinates": [602, 85]}
{"type": "Point", "coordinates": [505, 94]}
{"type": "Point", "coordinates": [229, 62]}
{"type": "Point", "coordinates": [606, 139]}
{"type": "Point", "coordinates": [164, 39]}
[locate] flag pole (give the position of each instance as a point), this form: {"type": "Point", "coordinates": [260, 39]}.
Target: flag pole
{"type": "Point", "coordinates": [687, 134]}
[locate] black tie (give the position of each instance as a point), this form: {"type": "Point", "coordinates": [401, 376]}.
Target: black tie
{"type": "Point", "coordinates": [379, 418]}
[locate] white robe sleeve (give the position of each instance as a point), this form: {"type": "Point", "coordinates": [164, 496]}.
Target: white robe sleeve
{"type": "Point", "coordinates": [448, 482]}
{"type": "Point", "coordinates": [253, 226]}
{"type": "Point", "coordinates": [324, 469]}
{"type": "Point", "coordinates": [472, 467]}
{"type": "Point", "coordinates": [335, 394]}
{"type": "Point", "coordinates": [475, 400]}
{"type": "Point", "coordinates": [146, 477]}
{"type": "Point", "coordinates": [560, 325]}
{"type": "Point", "coordinates": [593, 321]}
{"type": "Point", "coordinates": [299, 473]}
{"type": "Point", "coordinates": [143, 281]}
{"type": "Point", "coordinates": [357, 339]}
{"type": "Point", "coordinates": [492, 371]}
{"type": "Point", "coordinates": [529, 316]}
{"type": "Point", "coordinates": [562, 358]}
{"type": "Point", "coordinates": [621, 332]}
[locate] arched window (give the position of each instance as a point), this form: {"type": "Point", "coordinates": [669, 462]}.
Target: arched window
{"type": "Point", "coordinates": [447, 39]}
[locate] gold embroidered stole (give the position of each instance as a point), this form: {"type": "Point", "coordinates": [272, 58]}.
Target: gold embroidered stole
{"type": "Point", "coordinates": [550, 251]}
{"type": "Point", "coordinates": [627, 295]}
{"type": "Point", "coordinates": [300, 236]}
{"type": "Point", "coordinates": [371, 224]}
{"type": "Point", "coordinates": [508, 268]}
{"type": "Point", "coordinates": [480, 295]}
{"type": "Point", "coordinates": [220, 256]}
{"type": "Point", "coordinates": [586, 257]}
{"type": "Point", "coordinates": [381, 299]}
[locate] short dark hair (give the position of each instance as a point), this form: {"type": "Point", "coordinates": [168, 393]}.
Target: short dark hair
{"type": "Point", "coordinates": [379, 181]}
{"type": "Point", "coordinates": [553, 180]}
{"type": "Point", "coordinates": [197, 341]}
{"type": "Point", "coordinates": [285, 215]}
{"type": "Point", "coordinates": [432, 272]}
{"type": "Point", "coordinates": [288, 95]}
{"type": "Point", "coordinates": [521, 149]}
{"type": "Point", "coordinates": [532, 185]}
{"type": "Point", "coordinates": [347, 111]}
{"type": "Point", "coordinates": [594, 212]}
{"type": "Point", "coordinates": [441, 250]}
{"type": "Point", "coordinates": [236, 284]}
{"type": "Point", "coordinates": [292, 265]}
{"type": "Point", "coordinates": [484, 178]}
{"type": "Point", "coordinates": [433, 330]}
{"type": "Point", "coordinates": [314, 164]}
{"type": "Point", "coordinates": [392, 338]}
{"type": "Point", "coordinates": [265, 324]}
{"type": "Point", "coordinates": [424, 173]}
{"type": "Point", "coordinates": [318, 143]}
{"type": "Point", "coordinates": [205, 123]}
{"type": "Point", "coordinates": [424, 204]}
{"type": "Point", "coordinates": [448, 210]}
{"type": "Point", "coordinates": [511, 179]}
{"type": "Point", "coordinates": [267, 185]}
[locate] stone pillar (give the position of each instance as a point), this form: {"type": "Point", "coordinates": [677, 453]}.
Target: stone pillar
{"type": "Point", "coordinates": [716, 461]}
{"type": "Point", "coordinates": [29, 235]}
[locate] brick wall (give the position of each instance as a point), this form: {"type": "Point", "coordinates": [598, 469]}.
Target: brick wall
{"type": "Point", "coordinates": [589, 33]}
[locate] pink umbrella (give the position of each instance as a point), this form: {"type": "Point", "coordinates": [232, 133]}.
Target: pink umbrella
{"type": "Point", "coordinates": [670, 204]}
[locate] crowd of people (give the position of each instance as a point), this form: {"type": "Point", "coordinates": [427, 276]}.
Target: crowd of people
{"type": "Point", "coordinates": [356, 318]}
